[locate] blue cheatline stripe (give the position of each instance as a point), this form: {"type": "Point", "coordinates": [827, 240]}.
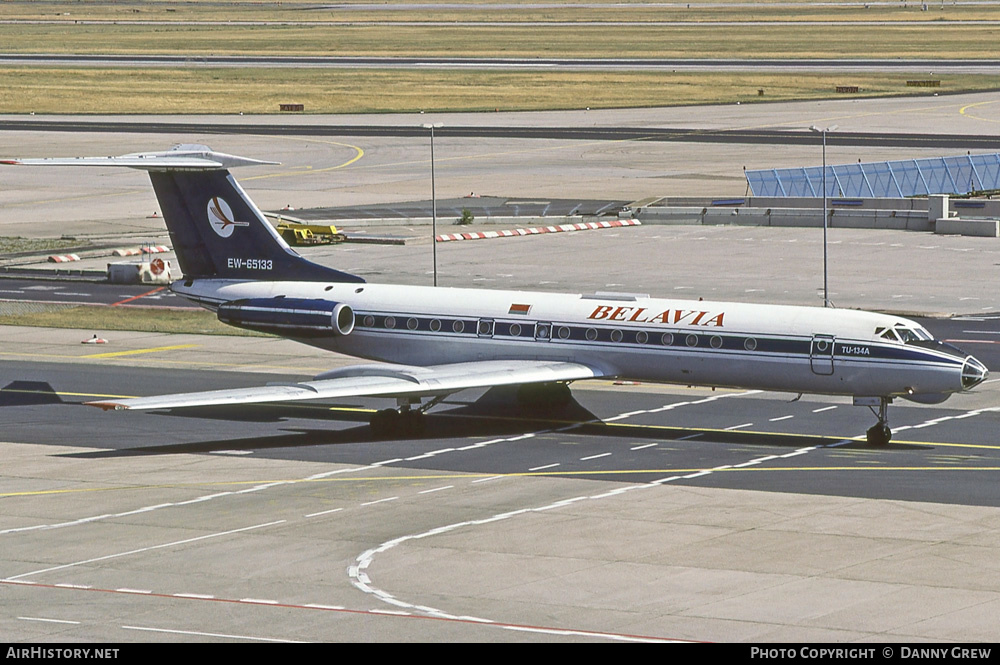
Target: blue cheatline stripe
{"type": "Point", "coordinates": [730, 343]}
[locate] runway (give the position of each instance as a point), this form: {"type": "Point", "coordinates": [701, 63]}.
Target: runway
{"type": "Point", "coordinates": [941, 66]}
{"type": "Point", "coordinates": [756, 136]}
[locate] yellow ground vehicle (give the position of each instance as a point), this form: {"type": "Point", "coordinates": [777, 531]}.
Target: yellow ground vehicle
{"type": "Point", "coordinates": [309, 234]}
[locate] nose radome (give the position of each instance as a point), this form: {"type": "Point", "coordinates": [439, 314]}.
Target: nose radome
{"type": "Point", "coordinates": [973, 373]}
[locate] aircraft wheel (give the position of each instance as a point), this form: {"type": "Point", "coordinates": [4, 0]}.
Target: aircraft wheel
{"type": "Point", "coordinates": [384, 423]}
{"type": "Point", "coordinates": [879, 435]}
{"type": "Point", "coordinates": [413, 423]}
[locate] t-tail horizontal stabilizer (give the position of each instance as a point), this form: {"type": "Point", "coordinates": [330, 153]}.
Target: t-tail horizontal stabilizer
{"type": "Point", "coordinates": [182, 157]}
{"type": "Point", "coordinates": [216, 230]}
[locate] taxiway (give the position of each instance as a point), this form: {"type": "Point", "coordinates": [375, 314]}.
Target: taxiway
{"type": "Point", "coordinates": [642, 513]}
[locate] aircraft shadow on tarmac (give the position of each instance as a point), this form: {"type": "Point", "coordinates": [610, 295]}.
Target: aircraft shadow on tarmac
{"type": "Point", "coordinates": [28, 393]}
{"type": "Point", "coordinates": [495, 413]}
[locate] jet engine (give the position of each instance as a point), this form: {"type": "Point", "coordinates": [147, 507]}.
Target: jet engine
{"type": "Point", "coordinates": [290, 317]}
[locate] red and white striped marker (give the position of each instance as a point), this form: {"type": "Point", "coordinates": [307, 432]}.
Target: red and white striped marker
{"type": "Point", "coordinates": [133, 251]}
{"type": "Point", "coordinates": [562, 228]}
{"type": "Point", "coordinates": [64, 258]}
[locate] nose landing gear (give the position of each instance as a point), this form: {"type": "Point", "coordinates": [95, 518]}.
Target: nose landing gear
{"type": "Point", "coordinates": [879, 434]}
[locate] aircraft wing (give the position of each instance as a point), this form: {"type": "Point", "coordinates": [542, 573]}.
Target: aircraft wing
{"type": "Point", "coordinates": [374, 381]}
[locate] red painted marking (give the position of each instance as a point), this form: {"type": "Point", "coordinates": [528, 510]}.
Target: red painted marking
{"type": "Point", "coordinates": [382, 613]}
{"type": "Point", "coordinates": [141, 295]}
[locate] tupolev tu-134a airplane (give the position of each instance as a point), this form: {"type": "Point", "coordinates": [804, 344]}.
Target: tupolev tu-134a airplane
{"type": "Point", "coordinates": [431, 342]}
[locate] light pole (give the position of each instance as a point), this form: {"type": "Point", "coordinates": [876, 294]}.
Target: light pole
{"type": "Point", "coordinates": [434, 209]}
{"type": "Point", "coordinates": [826, 281]}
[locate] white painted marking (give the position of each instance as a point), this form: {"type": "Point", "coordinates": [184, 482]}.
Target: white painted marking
{"type": "Point", "coordinates": [72, 586]}
{"type": "Point", "coordinates": [325, 512]}
{"type": "Point", "coordinates": [696, 475]}
{"type": "Point", "coordinates": [259, 601]}
{"type": "Point", "coordinates": [72, 623]}
{"type": "Point", "coordinates": [372, 503]}
{"type": "Point", "coordinates": [231, 452]}
{"type": "Point", "coordinates": [222, 635]}
{"type": "Point", "coordinates": [825, 408]}
{"type": "Point", "coordinates": [430, 454]}
{"type": "Point", "coordinates": [739, 426]}
{"type": "Point", "coordinates": [437, 489]}
{"type": "Point", "coordinates": [484, 480]}
{"type": "Point", "coordinates": [198, 596]}
{"type": "Point", "coordinates": [586, 459]}
{"type": "Point", "coordinates": [148, 549]}
{"type": "Point", "coordinates": [774, 420]}
{"type": "Point", "coordinates": [545, 466]}
{"type": "Point", "coordinates": [644, 446]}
{"type": "Point", "coordinates": [690, 436]}
{"type": "Point", "coordinates": [323, 607]}
{"type": "Point", "coordinates": [139, 591]}
{"type": "Point", "coordinates": [391, 613]}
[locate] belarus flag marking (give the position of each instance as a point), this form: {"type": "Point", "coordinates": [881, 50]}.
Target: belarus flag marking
{"type": "Point", "coordinates": [519, 309]}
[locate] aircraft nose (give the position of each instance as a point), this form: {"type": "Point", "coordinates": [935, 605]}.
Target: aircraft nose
{"type": "Point", "coordinates": [973, 373]}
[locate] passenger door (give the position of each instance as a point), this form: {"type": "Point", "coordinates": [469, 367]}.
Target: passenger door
{"type": "Point", "coordinates": [821, 354]}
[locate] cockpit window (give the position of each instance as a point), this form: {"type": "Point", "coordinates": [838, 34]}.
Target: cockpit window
{"type": "Point", "coordinates": [888, 333]}
{"type": "Point", "coordinates": [903, 333]}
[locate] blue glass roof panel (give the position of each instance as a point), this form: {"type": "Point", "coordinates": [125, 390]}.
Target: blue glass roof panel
{"type": "Point", "coordinates": [911, 177]}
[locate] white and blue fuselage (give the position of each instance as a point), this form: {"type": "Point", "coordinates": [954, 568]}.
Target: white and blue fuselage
{"type": "Point", "coordinates": [725, 344]}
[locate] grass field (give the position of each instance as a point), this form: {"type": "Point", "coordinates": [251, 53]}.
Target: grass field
{"type": "Point", "coordinates": [193, 91]}
{"type": "Point", "coordinates": [695, 40]}
{"type": "Point", "coordinates": [710, 28]}
{"type": "Point", "coordinates": [101, 319]}
{"type": "Point", "coordinates": [16, 244]}
{"type": "Point", "coordinates": [579, 11]}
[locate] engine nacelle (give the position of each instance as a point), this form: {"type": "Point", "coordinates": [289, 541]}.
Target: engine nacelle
{"type": "Point", "coordinates": [291, 317]}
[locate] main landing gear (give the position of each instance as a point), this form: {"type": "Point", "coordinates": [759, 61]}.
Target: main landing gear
{"type": "Point", "coordinates": [405, 420]}
{"type": "Point", "coordinates": [879, 434]}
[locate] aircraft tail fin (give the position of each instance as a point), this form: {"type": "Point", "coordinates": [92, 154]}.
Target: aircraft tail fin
{"type": "Point", "coordinates": [215, 228]}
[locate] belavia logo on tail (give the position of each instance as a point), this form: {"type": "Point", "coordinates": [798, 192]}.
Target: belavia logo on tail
{"type": "Point", "coordinates": [220, 217]}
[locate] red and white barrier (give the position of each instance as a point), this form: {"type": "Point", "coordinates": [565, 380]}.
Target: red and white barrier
{"type": "Point", "coordinates": [562, 228]}
{"type": "Point", "coordinates": [134, 251]}
{"type": "Point", "coordinates": [64, 258]}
